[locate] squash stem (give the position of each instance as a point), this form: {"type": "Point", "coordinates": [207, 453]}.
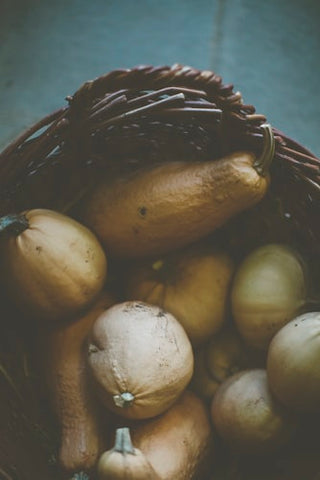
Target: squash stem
{"type": "Point", "coordinates": [123, 400]}
{"type": "Point", "coordinates": [80, 476]}
{"type": "Point", "coordinates": [165, 270]}
{"type": "Point", "coordinates": [123, 443]}
{"type": "Point", "coordinates": [13, 224]}
{"type": "Point", "coordinates": [263, 162]}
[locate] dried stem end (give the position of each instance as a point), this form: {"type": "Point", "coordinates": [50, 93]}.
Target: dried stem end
{"type": "Point", "coordinates": [124, 400]}
{"type": "Point", "coordinates": [80, 476]}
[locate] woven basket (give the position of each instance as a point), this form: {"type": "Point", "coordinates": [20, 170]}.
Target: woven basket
{"type": "Point", "coordinates": [117, 123]}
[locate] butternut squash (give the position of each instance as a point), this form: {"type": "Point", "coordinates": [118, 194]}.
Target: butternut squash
{"type": "Point", "coordinates": [51, 265]}
{"type": "Point", "coordinates": [192, 284]}
{"type": "Point", "coordinates": [164, 208]}
{"type": "Point", "coordinates": [140, 359]}
{"type": "Point", "coordinates": [179, 443]}
{"type": "Point", "coordinates": [63, 354]}
{"type": "Point", "coordinates": [124, 462]}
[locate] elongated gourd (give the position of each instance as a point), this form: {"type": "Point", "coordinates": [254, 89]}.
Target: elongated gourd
{"type": "Point", "coordinates": [52, 266]}
{"type": "Point", "coordinates": [175, 204]}
{"type": "Point", "coordinates": [63, 355]}
{"type": "Point", "coordinates": [124, 462]}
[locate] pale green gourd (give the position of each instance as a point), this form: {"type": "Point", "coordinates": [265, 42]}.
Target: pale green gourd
{"type": "Point", "coordinates": [269, 290]}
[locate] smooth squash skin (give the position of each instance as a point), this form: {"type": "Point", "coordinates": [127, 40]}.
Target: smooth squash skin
{"type": "Point", "coordinates": [269, 289]}
{"type": "Point", "coordinates": [52, 266]}
{"type": "Point", "coordinates": [140, 359]}
{"type": "Point", "coordinates": [248, 417]}
{"type": "Point", "coordinates": [172, 205]}
{"type": "Point", "coordinates": [63, 355]}
{"type": "Point", "coordinates": [192, 284]}
{"type": "Point", "coordinates": [124, 462]}
{"type": "Point", "coordinates": [178, 444]}
{"type": "Point", "coordinates": [293, 364]}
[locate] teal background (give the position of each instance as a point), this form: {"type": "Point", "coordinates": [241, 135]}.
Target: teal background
{"type": "Point", "coordinates": [268, 50]}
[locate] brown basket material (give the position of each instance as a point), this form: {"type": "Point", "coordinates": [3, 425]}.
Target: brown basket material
{"type": "Point", "coordinates": [120, 122]}
{"type": "Point", "coordinates": [127, 118]}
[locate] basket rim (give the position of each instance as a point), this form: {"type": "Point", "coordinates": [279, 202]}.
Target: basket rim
{"type": "Point", "coordinates": [150, 77]}
{"type": "Point", "coordinates": [117, 96]}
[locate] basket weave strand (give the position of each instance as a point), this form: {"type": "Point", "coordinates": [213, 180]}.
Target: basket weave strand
{"type": "Point", "coordinates": [130, 117]}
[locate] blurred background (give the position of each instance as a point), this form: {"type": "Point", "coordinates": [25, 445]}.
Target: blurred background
{"type": "Point", "coordinates": [269, 50]}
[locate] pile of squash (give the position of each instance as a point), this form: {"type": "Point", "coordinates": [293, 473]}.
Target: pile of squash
{"type": "Point", "coordinates": [157, 343]}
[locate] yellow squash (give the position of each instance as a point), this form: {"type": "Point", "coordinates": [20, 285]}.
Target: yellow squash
{"type": "Point", "coordinates": [192, 284]}
{"type": "Point", "coordinates": [51, 265]}
{"type": "Point", "coordinates": [168, 206]}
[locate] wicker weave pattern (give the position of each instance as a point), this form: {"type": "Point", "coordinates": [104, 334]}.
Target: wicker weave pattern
{"type": "Point", "coordinates": [156, 114]}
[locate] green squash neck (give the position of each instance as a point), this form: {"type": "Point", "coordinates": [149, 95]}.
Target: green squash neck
{"type": "Point", "coordinates": [123, 443]}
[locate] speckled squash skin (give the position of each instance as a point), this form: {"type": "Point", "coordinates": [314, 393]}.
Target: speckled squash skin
{"type": "Point", "coordinates": [172, 205]}
{"type": "Point", "coordinates": [194, 289]}
{"type": "Point", "coordinates": [248, 417]}
{"type": "Point", "coordinates": [293, 363]}
{"type": "Point", "coordinates": [140, 351]}
{"type": "Point", "coordinates": [54, 268]}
